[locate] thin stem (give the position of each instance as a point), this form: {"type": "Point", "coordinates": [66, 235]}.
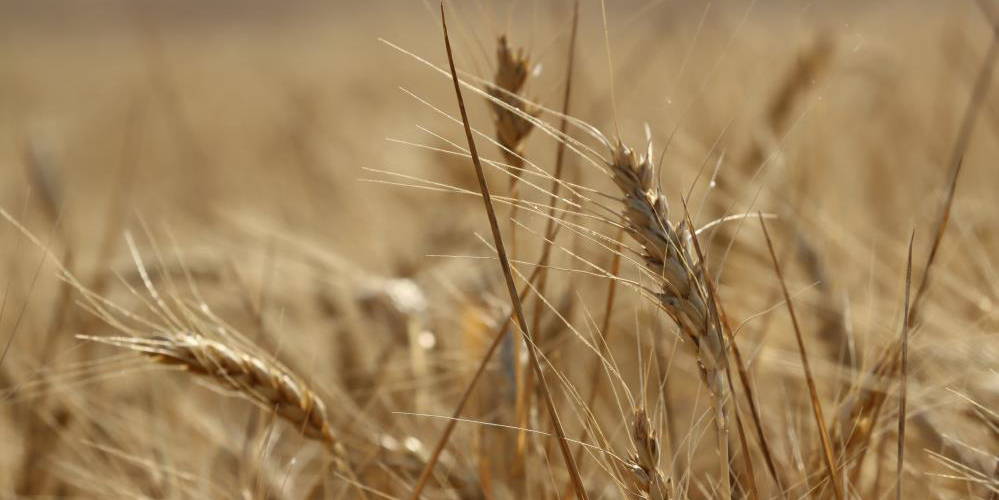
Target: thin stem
{"type": "Point", "coordinates": [813, 391]}
{"type": "Point", "coordinates": [508, 274]}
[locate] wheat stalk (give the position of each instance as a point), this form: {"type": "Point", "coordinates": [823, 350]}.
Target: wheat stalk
{"type": "Point", "coordinates": [509, 109]}
{"type": "Point", "coordinates": [570, 462]}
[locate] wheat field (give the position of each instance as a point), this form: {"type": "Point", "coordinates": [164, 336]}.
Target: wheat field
{"type": "Point", "coordinates": [743, 249]}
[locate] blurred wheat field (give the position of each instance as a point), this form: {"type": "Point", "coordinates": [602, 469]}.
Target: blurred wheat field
{"type": "Point", "coordinates": [244, 253]}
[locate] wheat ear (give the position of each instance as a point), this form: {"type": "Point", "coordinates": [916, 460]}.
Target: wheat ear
{"type": "Point", "coordinates": [263, 381]}
{"type": "Point", "coordinates": [644, 465]}
{"type": "Point", "coordinates": [684, 294]}
{"type": "Point", "coordinates": [512, 68]}
{"type": "Point", "coordinates": [667, 255]}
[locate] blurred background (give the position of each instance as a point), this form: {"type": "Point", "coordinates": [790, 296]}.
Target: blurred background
{"type": "Point", "coordinates": [210, 107]}
{"type": "Point", "coordinates": [278, 155]}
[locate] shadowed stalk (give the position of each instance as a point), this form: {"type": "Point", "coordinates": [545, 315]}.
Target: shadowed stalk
{"type": "Point", "coordinates": [723, 326]}
{"type": "Point", "coordinates": [905, 375]}
{"type": "Point", "coordinates": [48, 421]}
{"type": "Point", "coordinates": [615, 268]}
{"type": "Point", "coordinates": [754, 492]}
{"type": "Point", "coordinates": [595, 379]}
{"type": "Point", "coordinates": [743, 373]}
{"type": "Point", "coordinates": [820, 421]}
{"type": "Point", "coordinates": [751, 399]}
{"type": "Point", "coordinates": [970, 117]}
{"type": "Point", "coordinates": [550, 229]}
{"type": "Point", "coordinates": [508, 273]}
{"type": "Point", "coordinates": [994, 493]}
{"type": "Point", "coordinates": [466, 395]}
{"type": "Point", "coordinates": [512, 129]}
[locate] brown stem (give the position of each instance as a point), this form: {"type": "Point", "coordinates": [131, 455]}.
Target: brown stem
{"type": "Point", "coordinates": [820, 421]}
{"type": "Point", "coordinates": [508, 275]}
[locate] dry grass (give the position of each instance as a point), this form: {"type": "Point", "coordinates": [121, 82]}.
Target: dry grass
{"type": "Point", "coordinates": [218, 280]}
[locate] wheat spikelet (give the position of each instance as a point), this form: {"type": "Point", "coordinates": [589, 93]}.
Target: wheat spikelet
{"type": "Point", "coordinates": [512, 69]}
{"type": "Point", "coordinates": [644, 465]}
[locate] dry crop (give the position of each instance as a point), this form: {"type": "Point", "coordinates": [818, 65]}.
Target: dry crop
{"type": "Point", "coordinates": [609, 250]}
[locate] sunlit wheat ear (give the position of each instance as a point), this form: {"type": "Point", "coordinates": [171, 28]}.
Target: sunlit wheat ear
{"type": "Point", "coordinates": [263, 381]}
{"type": "Point", "coordinates": [512, 70]}
{"type": "Point", "coordinates": [667, 253]}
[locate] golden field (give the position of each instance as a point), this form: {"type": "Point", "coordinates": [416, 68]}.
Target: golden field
{"type": "Point", "coordinates": [244, 253]}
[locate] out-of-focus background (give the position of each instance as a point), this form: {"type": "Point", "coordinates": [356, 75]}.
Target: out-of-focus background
{"type": "Point", "coordinates": [272, 159]}
{"type": "Point", "coordinates": [275, 108]}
